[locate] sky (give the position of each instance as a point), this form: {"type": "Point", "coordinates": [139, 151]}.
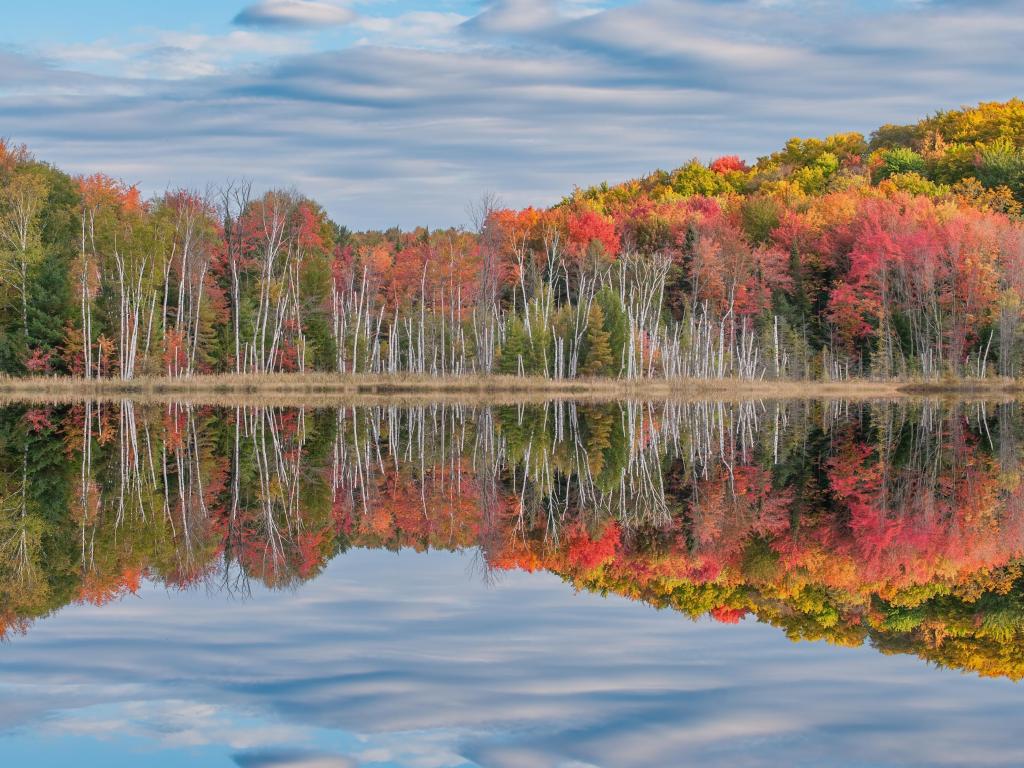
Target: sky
{"type": "Point", "coordinates": [402, 112]}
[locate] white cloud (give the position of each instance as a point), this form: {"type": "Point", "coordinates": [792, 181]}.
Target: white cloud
{"type": "Point", "coordinates": [417, 29]}
{"type": "Point", "coordinates": [517, 16]}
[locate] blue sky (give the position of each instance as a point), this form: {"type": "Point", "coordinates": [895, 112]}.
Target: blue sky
{"type": "Point", "coordinates": [401, 112]}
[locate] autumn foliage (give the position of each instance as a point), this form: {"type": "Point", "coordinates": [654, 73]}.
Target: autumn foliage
{"type": "Point", "coordinates": [899, 254]}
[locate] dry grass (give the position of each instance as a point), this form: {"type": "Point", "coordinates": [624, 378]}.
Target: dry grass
{"type": "Point", "coordinates": [334, 389]}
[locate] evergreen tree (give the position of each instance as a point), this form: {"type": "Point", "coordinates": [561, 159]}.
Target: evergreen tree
{"type": "Point", "coordinates": [515, 348]}
{"type": "Point", "coordinates": [598, 350]}
{"type": "Point", "coordinates": [538, 343]}
{"type": "Point", "coordinates": [617, 324]}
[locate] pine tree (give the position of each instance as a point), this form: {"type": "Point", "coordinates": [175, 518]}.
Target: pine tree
{"type": "Point", "coordinates": [599, 351]}
{"type": "Point", "coordinates": [515, 348]}
{"type": "Point", "coordinates": [617, 324]}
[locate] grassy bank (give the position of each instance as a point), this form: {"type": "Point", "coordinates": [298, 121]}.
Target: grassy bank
{"type": "Point", "coordinates": [327, 389]}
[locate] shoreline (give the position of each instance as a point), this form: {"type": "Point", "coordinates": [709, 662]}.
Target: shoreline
{"type": "Point", "coordinates": [360, 389]}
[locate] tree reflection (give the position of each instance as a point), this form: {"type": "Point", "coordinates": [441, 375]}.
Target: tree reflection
{"type": "Point", "coordinates": [896, 524]}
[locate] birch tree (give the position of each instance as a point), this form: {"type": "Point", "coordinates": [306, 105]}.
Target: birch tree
{"type": "Point", "coordinates": [21, 199]}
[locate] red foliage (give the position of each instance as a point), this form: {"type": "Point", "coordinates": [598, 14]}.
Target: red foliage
{"type": "Point", "coordinates": [100, 190]}
{"type": "Point", "coordinates": [728, 164]}
{"type": "Point", "coordinates": [175, 352]}
{"type": "Point", "coordinates": [39, 361]}
{"type": "Point", "coordinates": [591, 232]}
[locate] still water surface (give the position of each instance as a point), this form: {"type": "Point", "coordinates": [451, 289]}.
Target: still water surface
{"type": "Point", "coordinates": [622, 585]}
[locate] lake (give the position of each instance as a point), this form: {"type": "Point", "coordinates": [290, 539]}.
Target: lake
{"type": "Point", "coordinates": [566, 585]}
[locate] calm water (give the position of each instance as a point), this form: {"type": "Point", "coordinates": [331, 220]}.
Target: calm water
{"type": "Point", "coordinates": [627, 585]}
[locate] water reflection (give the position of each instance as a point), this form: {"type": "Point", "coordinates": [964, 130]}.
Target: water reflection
{"type": "Point", "coordinates": [896, 524]}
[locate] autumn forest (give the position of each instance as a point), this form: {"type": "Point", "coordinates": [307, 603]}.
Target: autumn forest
{"type": "Point", "coordinates": [900, 254]}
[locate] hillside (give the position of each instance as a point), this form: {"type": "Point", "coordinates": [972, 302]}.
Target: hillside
{"type": "Point", "coordinates": [895, 255]}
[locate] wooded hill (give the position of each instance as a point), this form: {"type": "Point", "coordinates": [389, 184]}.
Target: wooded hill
{"type": "Point", "coordinates": [899, 254]}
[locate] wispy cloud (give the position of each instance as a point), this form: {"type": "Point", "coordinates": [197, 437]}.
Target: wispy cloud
{"type": "Point", "coordinates": [171, 55]}
{"type": "Point", "coordinates": [294, 13]}
{"type": "Point", "coordinates": [291, 759]}
{"type": "Point", "coordinates": [412, 114]}
{"type": "Point", "coordinates": [516, 16]}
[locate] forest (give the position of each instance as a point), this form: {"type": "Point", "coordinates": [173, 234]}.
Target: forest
{"type": "Point", "coordinates": [897, 524]}
{"type": "Point", "coordinates": [897, 255]}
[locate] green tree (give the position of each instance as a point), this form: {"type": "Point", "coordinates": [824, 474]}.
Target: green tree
{"type": "Point", "coordinates": [1002, 165]}
{"type": "Point", "coordinates": [22, 199]}
{"type": "Point", "coordinates": [514, 353]}
{"type": "Point", "coordinates": [616, 323]}
{"type": "Point", "coordinates": [760, 215]}
{"type": "Point", "coordinates": [598, 359]}
{"type": "Point", "coordinates": [695, 178]}
{"type": "Point", "coordinates": [900, 160]}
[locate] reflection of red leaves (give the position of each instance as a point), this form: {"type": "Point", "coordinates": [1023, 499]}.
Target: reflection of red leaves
{"type": "Point", "coordinates": [585, 553]}
{"type": "Point", "coordinates": [725, 615]}
{"type": "Point", "coordinates": [98, 589]}
{"type": "Point", "coordinates": [311, 557]}
{"type": "Point", "coordinates": [175, 426]}
{"type": "Point", "coordinates": [38, 420]}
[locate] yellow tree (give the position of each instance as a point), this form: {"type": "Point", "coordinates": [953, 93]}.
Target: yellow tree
{"type": "Point", "coordinates": [21, 199]}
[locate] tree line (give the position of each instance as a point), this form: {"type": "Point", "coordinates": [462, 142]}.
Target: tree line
{"type": "Point", "coordinates": [896, 255]}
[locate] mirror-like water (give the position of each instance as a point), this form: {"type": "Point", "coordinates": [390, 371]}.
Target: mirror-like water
{"type": "Point", "coordinates": [475, 586]}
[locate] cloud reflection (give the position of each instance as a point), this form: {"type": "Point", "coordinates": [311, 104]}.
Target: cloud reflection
{"type": "Point", "coordinates": [422, 664]}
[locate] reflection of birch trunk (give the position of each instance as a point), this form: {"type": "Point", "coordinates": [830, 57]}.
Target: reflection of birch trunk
{"type": "Point", "coordinates": [19, 544]}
